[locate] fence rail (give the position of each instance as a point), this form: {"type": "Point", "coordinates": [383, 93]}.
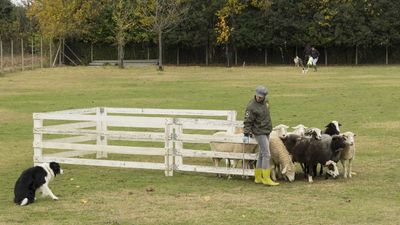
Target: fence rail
{"type": "Point", "coordinates": [87, 131]}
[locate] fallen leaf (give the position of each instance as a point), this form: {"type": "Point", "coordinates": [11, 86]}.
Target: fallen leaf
{"type": "Point", "coordinates": [150, 189]}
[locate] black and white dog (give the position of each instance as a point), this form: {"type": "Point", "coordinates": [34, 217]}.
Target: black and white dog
{"type": "Point", "coordinates": [36, 178]}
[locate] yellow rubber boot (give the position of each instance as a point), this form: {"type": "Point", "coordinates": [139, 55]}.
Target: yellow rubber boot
{"type": "Point", "coordinates": [258, 176]}
{"type": "Point", "coordinates": [266, 179]}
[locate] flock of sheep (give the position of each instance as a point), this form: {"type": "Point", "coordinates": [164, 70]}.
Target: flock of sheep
{"type": "Point", "coordinates": [307, 146]}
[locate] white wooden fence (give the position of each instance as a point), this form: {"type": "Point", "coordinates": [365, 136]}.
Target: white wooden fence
{"type": "Point", "coordinates": [87, 131]}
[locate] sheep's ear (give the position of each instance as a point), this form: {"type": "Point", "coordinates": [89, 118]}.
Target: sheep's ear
{"type": "Point", "coordinates": [286, 127]}
{"type": "Point", "coordinates": [284, 170]}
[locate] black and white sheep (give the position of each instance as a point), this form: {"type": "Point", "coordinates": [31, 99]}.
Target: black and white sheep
{"type": "Point", "coordinates": [332, 128]}
{"type": "Point", "coordinates": [297, 145]}
{"type": "Point", "coordinates": [348, 154]}
{"type": "Point", "coordinates": [325, 152]}
{"type": "Point", "coordinates": [310, 151]}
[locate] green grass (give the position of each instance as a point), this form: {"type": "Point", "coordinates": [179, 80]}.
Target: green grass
{"type": "Point", "coordinates": [364, 99]}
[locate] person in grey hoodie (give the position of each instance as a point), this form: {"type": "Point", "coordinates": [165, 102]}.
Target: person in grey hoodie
{"type": "Point", "coordinates": [257, 123]}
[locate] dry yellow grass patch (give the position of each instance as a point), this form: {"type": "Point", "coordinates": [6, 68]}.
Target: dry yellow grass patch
{"type": "Point", "coordinates": [383, 125]}
{"type": "Point", "coordinates": [11, 116]}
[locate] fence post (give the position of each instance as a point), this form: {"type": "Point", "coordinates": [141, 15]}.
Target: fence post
{"type": "Point", "coordinates": [231, 117]}
{"type": "Point", "coordinates": [37, 141]}
{"type": "Point", "coordinates": [22, 53]}
{"type": "Point", "coordinates": [101, 126]}
{"type": "Point", "coordinates": [169, 148]}
{"type": "Point", "coordinates": [178, 130]}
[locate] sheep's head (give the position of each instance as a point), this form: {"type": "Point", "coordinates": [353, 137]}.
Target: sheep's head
{"type": "Point", "coordinates": [289, 172]}
{"type": "Point", "coordinates": [333, 128]}
{"type": "Point", "coordinates": [299, 129]}
{"type": "Point", "coordinates": [332, 169]}
{"type": "Point", "coordinates": [281, 130]}
{"type": "Point", "coordinates": [349, 137]}
{"type": "Point", "coordinates": [313, 132]}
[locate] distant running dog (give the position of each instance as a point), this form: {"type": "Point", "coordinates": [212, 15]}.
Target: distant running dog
{"type": "Point", "coordinates": [36, 178]}
{"type": "Point", "coordinates": [299, 62]}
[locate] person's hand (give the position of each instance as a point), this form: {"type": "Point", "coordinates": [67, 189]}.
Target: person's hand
{"type": "Point", "coordinates": [246, 138]}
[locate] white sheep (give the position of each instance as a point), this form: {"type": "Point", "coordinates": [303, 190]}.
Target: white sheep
{"type": "Point", "coordinates": [299, 130]}
{"type": "Point", "coordinates": [231, 147]}
{"type": "Point", "coordinates": [280, 131]}
{"type": "Point", "coordinates": [348, 153]}
{"type": "Point", "coordinates": [281, 160]}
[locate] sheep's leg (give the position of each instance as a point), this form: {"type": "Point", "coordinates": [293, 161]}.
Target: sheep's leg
{"type": "Point", "coordinates": [246, 165]}
{"type": "Point", "coordinates": [273, 172]}
{"type": "Point", "coordinates": [216, 164]}
{"type": "Point", "coordinates": [229, 164]}
{"type": "Point", "coordinates": [344, 168]}
{"type": "Point", "coordinates": [309, 169]}
{"type": "Point", "coordinates": [321, 170]}
{"type": "Point", "coordinates": [304, 168]}
{"type": "Point", "coordinates": [314, 170]}
{"type": "Point", "coordinates": [350, 166]}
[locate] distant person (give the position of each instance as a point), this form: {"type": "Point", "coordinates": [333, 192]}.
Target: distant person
{"type": "Point", "coordinates": [315, 56]}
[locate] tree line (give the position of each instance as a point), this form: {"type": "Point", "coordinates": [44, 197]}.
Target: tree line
{"type": "Point", "coordinates": [208, 24]}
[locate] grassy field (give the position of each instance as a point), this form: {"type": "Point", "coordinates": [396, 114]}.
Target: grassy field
{"type": "Point", "coordinates": [366, 100]}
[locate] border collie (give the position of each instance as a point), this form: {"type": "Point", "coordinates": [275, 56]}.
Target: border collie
{"type": "Point", "coordinates": [298, 62]}
{"type": "Point", "coordinates": [36, 178]}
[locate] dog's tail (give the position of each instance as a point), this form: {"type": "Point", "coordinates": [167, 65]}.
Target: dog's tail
{"type": "Point", "coordinates": [25, 201]}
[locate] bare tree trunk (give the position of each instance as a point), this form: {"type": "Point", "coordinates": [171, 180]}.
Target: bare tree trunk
{"type": "Point", "coordinates": [148, 52]}
{"type": "Point", "coordinates": [236, 58]}
{"type": "Point", "coordinates": [12, 54]}
{"type": "Point", "coordinates": [177, 56]}
{"type": "Point", "coordinates": [160, 60]}
{"type": "Point", "coordinates": [32, 55]}
{"type": "Point", "coordinates": [387, 55]}
{"type": "Point", "coordinates": [22, 53]}
{"type": "Point", "coordinates": [227, 55]}
{"type": "Point", "coordinates": [91, 52]}
{"type": "Point", "coordinates": [63, 51]}
{"type": "Point", "coordinates": [265, 56]}
{"type": "Point", "coordinates": [1, 56]}
{"type": "Point", "coordinates": [41, 52]}
{"type": "Point", "coordinates": [206, 55]}
{"type": "Point", "coordinates": [326, 56]}
{"type": "Point", "coordinates": [356, 54]}
{"type": "Point", "coordinates": [50, 53]}
{"type": "Point", "coordinates": [60, 48]}
{"type": "Point", "coordinates": [120, 55]}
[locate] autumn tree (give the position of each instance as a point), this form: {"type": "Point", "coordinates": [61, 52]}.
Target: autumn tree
{"type": "Point", "coordinates": [160, 17]}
